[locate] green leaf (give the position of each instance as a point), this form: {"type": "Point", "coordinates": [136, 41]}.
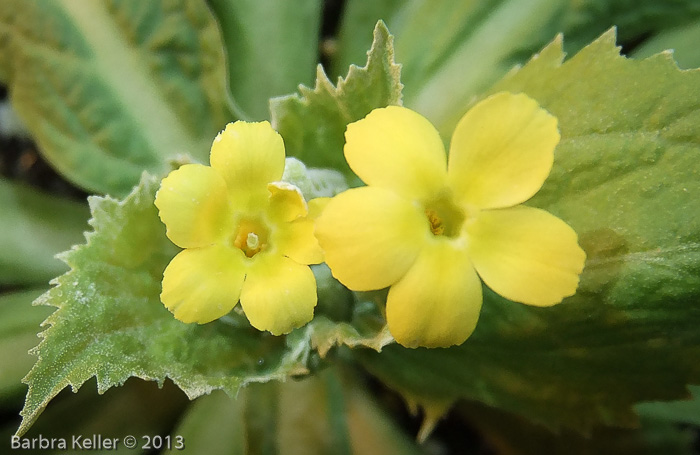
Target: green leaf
{"type": "Point", "coordinates": [625, 177]}
{"type": "Point", "coordinates": [272, 41]}
{"type": "Point", "coordinates": [325, 334]}
{"type": "Point", "coordinates": [322, 414]}
{"type": "Point", "coordinates": [350, 47]}
{"type": "Point", "coordinates": [681, 411]}
{"type": "Point", "coordinates": [473, 44]}
{"type": "Point", "coordinates": [313, 124]}
{"type": "Point", "coordinates": [343, 318]}
{"type": "Point", "coordinates": [137, 408]}
{"type": "Point", "coordinates": [19, 324]}
{"type": "Point", "coordinates": [681, 40]}
{"type": "Point", "coordinates": [515, 436]}
{"type": "Point", "coordinates": [35, 227]}
{"type": "Point", "coordinates": [214, 424]}
{"type": "Point", "coordinates": [470, 48]}
{"type": "Point", "coordinates": [110, 323]}
{"type": "Point", "coordinates": [625, 172]}
{"type": "Point", "coordinates": [109, 89]}
{"type": "Point", "coordinates": [635, 20]}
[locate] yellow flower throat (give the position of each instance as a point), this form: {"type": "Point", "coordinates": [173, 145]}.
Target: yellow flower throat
{"type": "Point", "coordinates": [251, 237]}
{"type": "Point", "coordinates": [445, 218]}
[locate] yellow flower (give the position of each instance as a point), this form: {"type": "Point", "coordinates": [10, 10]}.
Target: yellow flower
{"type": "Point", "coordinates": [246, 235]}
{"type": "Point", "coordinates": [430, 227]}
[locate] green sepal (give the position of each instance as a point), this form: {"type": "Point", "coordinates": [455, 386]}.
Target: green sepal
{"type": "Point", "coordinates": [313, 182]}
{"type": "Point", "coordinates": [345, 318]}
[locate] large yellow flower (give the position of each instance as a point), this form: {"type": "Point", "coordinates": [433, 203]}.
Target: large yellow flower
{"type": "Point", "coordinates": [430, 227]}
{"type": "Point", "coordinates": [246, 235]}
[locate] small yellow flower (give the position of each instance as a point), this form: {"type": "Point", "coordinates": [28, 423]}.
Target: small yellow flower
{"type": "Point", "coordinates": [429, 227]}
{"type": "Point", "coordinates": [246, 235]}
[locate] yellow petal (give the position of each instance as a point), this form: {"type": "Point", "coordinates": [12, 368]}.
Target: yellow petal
{"type": "Point", "coordinates": [370, 237]}
{"type": "Point", "coordinates": [278, 295]}
{"type": "Point", "coordinates": [193, 203]}
{"type": "Point", "coordinates": [526, 254]}
{"type": "Point", "coordinates": [317, 205]}
{"type": "Point", "coordinates": [437, 303]}
{"type": "Point", "coordinates": [397, 148]}
{"type": "Point", "coordinates": [502, 151]}
{"type": "Point", "coordinates": [248, 156]}
{"type": "Point", "coordinates": [296, 240]}
{"type": "Point", "coordinates": [203, 284]}
{"type": "Point", "coordinates": [286, 202]}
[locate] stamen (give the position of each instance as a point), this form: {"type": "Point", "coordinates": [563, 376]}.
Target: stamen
{"type": "Point", "coordinates": [436, 225]}
{"type": "Point", "coordinates": [252, 241]}
{"type": "Point", "coordinates": [444, 216]}
{"type": "Point", "coordinates": [251, 237]}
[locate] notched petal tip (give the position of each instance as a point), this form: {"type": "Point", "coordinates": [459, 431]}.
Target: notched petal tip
{"type": "Point", "coordinates": [193, 204]}
{"type": "Point", "coordinates": [297, 241]}
{"type": "Point", "coordinates": [294, 233]}
{"type": "Point", "coordinates": [526, 255]}
{"type": "Point", "coordinates": [370, 237]}
{"type": "Point", "coordinates": [286, 202]}
{"type": "Point", "coordinates": [502, 151]}
{"type": "Point", "coordinates": [279, 295]}
{"type": "Point", "coordinates": [437, 303]}
{"type": "Point", "coordinates": [248, 156]}
{"type": "Point", "coordinates": [396, 148]}
{"type": "Point", "coordinates": [203, 284]}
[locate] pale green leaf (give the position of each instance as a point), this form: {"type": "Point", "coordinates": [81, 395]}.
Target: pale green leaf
{"type": "Point", "coordinates": [516, 436]}
{"type": "Point", "coordinates": [111, 88]}
{"type": "Point", "coordinates": [635, 19]}
{"type": "Point", "coordinates": [452, 51]}
{"type": "Point", "coordinates": [322, 414]}
{"type": "Point", "coordinates": [626, 178]}
{"type": "Point", "coordinates": [470, 48]}
{"type": "Point", "coordinates": [345, 318]}
{"type": "Point", "coordinates": [272, 47]}
{"type": "Point", "coordinates": [350, 47]}
{"type": "Point", "coordinates": [19, 324]}
{"type": "Point", "coordinates": [682, 41]}
{"type": "Point", "coordinates": [110, 324]}
{"type": "Point", "coordinates": [626, 171]}
{"type": "Point", "coordinates": [214, 425]}
{"type": "Point", "coordinates": [313, 124]}
{"type": "Point", "coordinates": [313, 183]}
{"type": "Point", "coordinates": [325, 333]}
{"type": "Point", "coordinates": [137, 408]}
{"type": "Point", "coordinates": [35, 227]}
{"type": "Point", "coordinates": [10, 124]}
{"type": "Point", "coordinates": [680, 411]}
{"type": "Point", "coordinates": [475, 40]}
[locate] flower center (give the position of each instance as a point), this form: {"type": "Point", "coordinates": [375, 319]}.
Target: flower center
{"type": "Point", "coordinates": [444, 217]}
{"type": "Point", "coordinates": [251, 237]}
